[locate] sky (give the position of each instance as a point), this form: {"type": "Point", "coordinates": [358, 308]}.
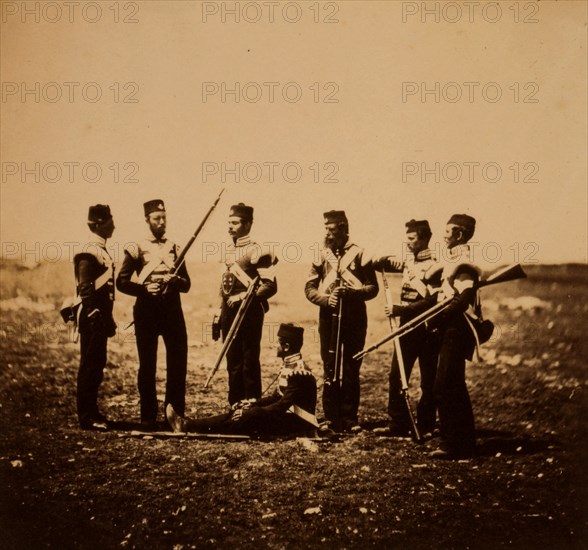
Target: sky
{"type": "Point", "coordinates": [388, 110]}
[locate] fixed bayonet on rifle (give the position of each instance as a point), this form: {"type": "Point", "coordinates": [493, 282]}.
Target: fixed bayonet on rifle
{"type": "Point", "coordinates": [401, 368]}
{"type": "Point", "coordinates": [182, 255]}
{"type": "Point", "coordinates": [509, 273]}
{"type": "Point", "coordinates": [231, 335]}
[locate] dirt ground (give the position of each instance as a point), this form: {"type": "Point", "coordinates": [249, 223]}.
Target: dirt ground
{"type": "Point", "coordinates": [66, 488]}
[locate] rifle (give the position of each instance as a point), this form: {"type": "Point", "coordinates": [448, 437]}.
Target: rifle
{"type": "Point", "coordinates": [508, 273]}
{"type": "Point", "coordinates": [334, 365]}
{"type": "Point", "coordinates": [232, 334]}
{"type": "Point", "coordinates": [401, 368]}
{"type": "Point", "coordinates": [182, 255]}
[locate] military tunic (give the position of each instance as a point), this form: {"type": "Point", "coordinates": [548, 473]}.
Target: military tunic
{"type": "Point", "coordinates": [243, 261]}
{"type": "Point", "coordinates": [94, 271]}
{"type": "Point", "coordinates": [341, 399]}
{"type": "Point", "coordinates": [290, 411]}
{"type": "Point", "coordinates": [154, 315]}
{"type": "Point", "coordinates": [418, 344]}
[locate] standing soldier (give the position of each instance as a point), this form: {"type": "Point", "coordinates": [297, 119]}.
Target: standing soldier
{"type": "Point", "coordinates": [94, 271]}
{"type": "Point", "coordinates": [420, 343]}
{"type": "Point", "coordinates": [243, 261]}
{"type": "Point", "coordinates": [457, 341]}
{"type": "Point", "coordinates": [342, 276]}
{"type": "Point", "coordinates": [157, 311]}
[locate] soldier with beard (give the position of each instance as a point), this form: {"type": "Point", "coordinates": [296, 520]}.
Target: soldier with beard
{"type": "Point", "coordinates": [341, 274]}
{"type": "Point", "coordinates": [157, 311]}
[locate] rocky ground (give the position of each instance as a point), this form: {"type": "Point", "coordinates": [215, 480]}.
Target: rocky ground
{"type": "Point", "coordinates": [66, 488]}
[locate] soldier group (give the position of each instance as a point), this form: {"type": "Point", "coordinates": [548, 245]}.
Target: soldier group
{"type": "Point", "coordinates": [340, 283]}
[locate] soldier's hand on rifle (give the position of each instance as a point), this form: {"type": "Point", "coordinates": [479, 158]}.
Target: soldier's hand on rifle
{"type": "Point", "coordinates": [394, 310]}
{"type": "Point", "coordinates": [335, 295]}
{"type": "Point", "coordinates": [232, 301]}
{"type": "Point", "coordinates": [153, 288]}
{"type": "Point", "coordinates": [168, 278]}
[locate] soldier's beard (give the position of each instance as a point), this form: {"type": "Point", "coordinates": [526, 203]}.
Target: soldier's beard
{"type": "Point", "coordinates": [334, 243]}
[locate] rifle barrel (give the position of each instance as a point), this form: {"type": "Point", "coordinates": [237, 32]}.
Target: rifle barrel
{"type": "Point", "coordinates": [231, 335]}
{"type": "Point", "coordinates": [182, 255]}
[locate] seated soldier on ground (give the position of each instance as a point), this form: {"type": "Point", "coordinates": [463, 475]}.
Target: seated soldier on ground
{"type": "Point", "coordinates": [290, 411]}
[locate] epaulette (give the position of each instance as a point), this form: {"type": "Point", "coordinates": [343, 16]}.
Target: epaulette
{"type": "Point", "coordinates": [133, 250]}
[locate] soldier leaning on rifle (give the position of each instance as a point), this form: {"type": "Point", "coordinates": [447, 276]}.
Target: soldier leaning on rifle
{"type": "Point", "coordinates": [457, 341]}
{"type": "Point", "coordinates": [94, 271]}
{"type": "Point", "coordinates": [341, 273]}
{"type": "Point", "coordinates": [289, 411]}
{"type": "Point", "coordinates": [420, 343]}
{"type": "Point", "coordinates": [241, 261]}
{"type": "Point", "coordinates": [157, 311]}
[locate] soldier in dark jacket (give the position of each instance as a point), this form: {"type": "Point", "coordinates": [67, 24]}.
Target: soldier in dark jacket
{"type": "Point", "coordinates": [342, 272]}
{"type": "Point", "coordinates": [290, 411]}
{"type": "Point", "coordinates": [157, 311]}
{"type": "Point", "coordinates": [244, 261]}
{"type": "Point", "coordinates": [94, 271]}
{"type": "Point", "coordinates": [459, 278]}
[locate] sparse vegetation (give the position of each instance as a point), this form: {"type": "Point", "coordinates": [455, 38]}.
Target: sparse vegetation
{"type": "Point", "coordinates": [65, 488]}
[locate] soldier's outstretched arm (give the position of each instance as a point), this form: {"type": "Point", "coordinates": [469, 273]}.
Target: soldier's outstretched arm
{"type": "Point", "coordinates": [389, 264]}
{"type": "Point", "coordinates": [369, 288]}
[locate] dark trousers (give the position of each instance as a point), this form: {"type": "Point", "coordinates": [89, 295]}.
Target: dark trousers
{"type": "Point", "coordinates": [156, 317]}
{"type": "Point", "coordinates": [341, 400]}
{"type": "Point", "coordinates": [253, 421]}
{"type": "Point", "coordinates": [422, 345]}
{"type": "Point", "coordinates": [455, 409]}
{"type": "Point", "coordinates": [91, 372]}
{"type": "Point", "coordinates": [243, 364]}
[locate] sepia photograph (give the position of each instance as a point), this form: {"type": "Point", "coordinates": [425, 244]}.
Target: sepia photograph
{"type": "Point", "coordinates": [293, 274]}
